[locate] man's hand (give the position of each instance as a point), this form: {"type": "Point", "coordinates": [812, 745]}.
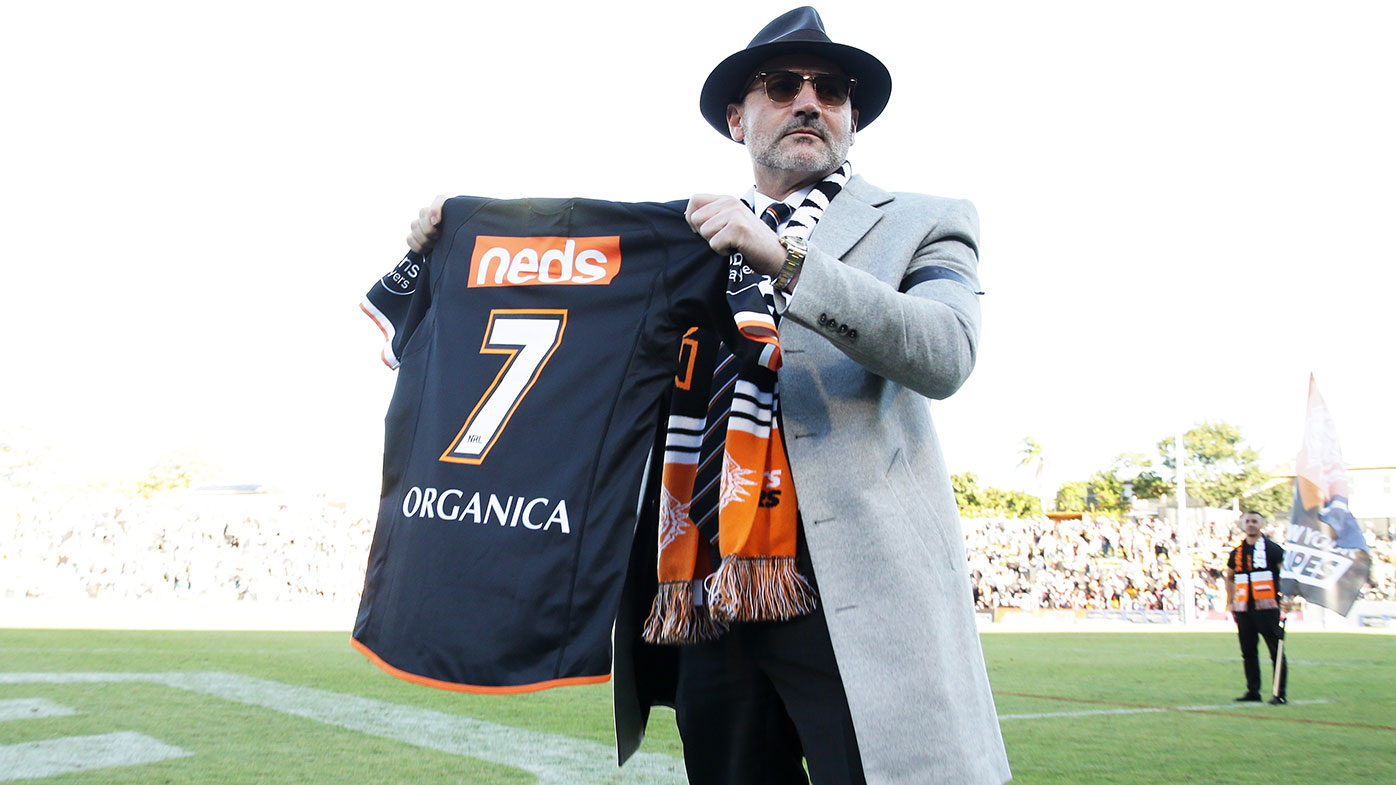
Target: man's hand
{"type": "Point", "coordinates": [730, 226]}
{"type": "Point", "coordinates": [425, 229]}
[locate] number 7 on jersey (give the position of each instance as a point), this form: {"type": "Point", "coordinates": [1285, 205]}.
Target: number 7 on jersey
{"type": "Point", "coordinates": [529, 337]}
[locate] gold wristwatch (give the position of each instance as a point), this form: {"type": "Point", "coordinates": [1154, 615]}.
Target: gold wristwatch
{"type": "Point", "coordinates": [795, 250]}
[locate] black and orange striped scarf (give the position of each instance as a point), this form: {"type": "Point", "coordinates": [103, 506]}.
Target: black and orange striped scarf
{"type": "Point", "coordinates": [1253, 578]}
{"type": "Point", "coordinates": [756, 578]}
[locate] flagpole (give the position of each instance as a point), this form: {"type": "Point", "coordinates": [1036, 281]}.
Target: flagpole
{"type": "Point", "coordinates": [1185, 599]}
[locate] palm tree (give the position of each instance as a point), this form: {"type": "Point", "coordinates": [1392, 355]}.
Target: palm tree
{"type": "Point", "coordinates": [1031, 456]}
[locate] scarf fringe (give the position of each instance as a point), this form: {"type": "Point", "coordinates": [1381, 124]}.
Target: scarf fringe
{"type": "Point", "coordinates": [759, 588]}
{"type": "Point", "coordinates": [675, 619]}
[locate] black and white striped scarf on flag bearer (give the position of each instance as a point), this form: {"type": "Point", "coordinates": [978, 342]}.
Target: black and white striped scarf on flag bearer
{"type": "Point", "coordinates": [725, 462]}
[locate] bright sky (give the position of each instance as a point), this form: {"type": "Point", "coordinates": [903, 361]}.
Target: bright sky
{"type": "Point", "coordinates": [1186, 207]}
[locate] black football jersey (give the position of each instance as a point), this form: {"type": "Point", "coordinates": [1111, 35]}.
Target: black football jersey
{"type": "Point", "coordinates": [534, 346]}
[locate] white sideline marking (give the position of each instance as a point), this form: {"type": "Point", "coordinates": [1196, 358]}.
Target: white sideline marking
{"type": "Point", "coordinates": [1143, 710]}
{"type": "Point", "coordinates": [554, 760]}
{"type": "Point", "coordinates": [52, 757]}
{"type": "Point", "coordinates": [31, 709]}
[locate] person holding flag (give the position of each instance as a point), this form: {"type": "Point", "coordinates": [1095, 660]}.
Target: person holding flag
{"type": "Point", "coordinates": [1252, 582]}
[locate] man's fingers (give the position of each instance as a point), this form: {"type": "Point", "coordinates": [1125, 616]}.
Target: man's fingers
{"type": "Point", "coordinates": [698, 202]}
{"type": "Point", "coordinates": [728, 225]}
{"type": "Point", "coordinates": [423, 234]}
{"type": "Point", "coordinates": [720, 232]}
{"type": "Point", "coordinates": [696, 212]}
{"type": "Point", "coordinates": [722, 209]}
{"type": "Point", "coordinates": [425, 227]}
{"type": "Point", "coordinates": [702, 207]}
{"type": "Point", "coordinates": [718, 235]}
{"type": "Point", "coordinates": [724, 236]}
{"type": "Point", "coordinates": [429, 217]}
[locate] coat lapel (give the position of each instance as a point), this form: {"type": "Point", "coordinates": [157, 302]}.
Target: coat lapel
{"type": "Point", "coordinates": [851, 215]}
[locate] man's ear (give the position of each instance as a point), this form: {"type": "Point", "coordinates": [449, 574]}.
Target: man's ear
{"type": "Point", "coordinates": [734, 122]}
{"type": "Point", "coordinates": [853, 127]}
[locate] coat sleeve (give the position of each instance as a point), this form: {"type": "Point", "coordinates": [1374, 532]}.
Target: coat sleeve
{"type": "Point", "coordinates": [921, 331]}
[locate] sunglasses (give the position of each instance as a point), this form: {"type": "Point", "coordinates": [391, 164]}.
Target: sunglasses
{"type": "Point", "coordinates": [782, 86]}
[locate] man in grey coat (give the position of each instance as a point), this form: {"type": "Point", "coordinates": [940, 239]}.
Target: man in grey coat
{"type": "Point", "coordinates": [884, 683]}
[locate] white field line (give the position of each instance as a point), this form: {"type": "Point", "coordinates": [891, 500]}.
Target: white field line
{"type": "Point", "coordinates": [52, 757]}
{"type": "Point", "coordinates": [1142, 710]}
{"type": "Point", "coordinates": [553, 759]}
{"type": "Point", "coordinates": [31, 709]}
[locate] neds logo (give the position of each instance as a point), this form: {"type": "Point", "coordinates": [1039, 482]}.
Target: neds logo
{"type": "Point", "coordinates": [543, 261]}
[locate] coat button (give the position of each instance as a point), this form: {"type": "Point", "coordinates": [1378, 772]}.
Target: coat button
{"type": "Point", "coordinates": [823, 319]}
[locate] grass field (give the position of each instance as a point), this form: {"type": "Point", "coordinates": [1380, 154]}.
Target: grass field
{"type": "Point", "coordinates": [276, 707]}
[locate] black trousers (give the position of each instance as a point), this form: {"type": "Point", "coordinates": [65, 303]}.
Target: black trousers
{"type": "Point", "coordinates": [1265, 624]}
{"type": "Point", "coordinates": [755, 702]}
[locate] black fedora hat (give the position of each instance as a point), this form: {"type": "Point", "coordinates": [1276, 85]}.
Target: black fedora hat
{"type": "Point", "coordinates": [796, 32]}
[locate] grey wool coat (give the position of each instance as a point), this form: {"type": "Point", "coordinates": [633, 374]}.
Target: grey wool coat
{"type": "Point", "coordinates": [860, 359]}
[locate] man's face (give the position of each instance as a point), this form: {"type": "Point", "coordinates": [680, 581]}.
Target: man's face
{"type": "Point", "coordinates": [801, 136]}
{"type": "Point", "coordinates": [1251, 524]}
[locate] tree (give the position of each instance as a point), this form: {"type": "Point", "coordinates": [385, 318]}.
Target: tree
{"type": "Point", "coordinates": [1071, 497]}
{"type": "Point", "coordinates": [1009, 504]}
{"type": "Point", "coordinates": [1271, 499]}
{"type": "Point", "coordinates": [976, 502]}
{"type": "Point", "coordinates": [1032, 457]}
{"type": "Point", "coordinates": [175, 471]}
{"type": "Point", "coordinates": [1103, 493]}
{"type": "Point", "coordinates": [1220, 467]}
{"type": "Point", "coordinates": [1136, 469]}
{"type": "Point", "coordinates": [966, 487]}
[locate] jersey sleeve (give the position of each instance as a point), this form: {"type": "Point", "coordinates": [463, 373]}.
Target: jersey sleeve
{"type": "Point", "coordinates": [397, 303]}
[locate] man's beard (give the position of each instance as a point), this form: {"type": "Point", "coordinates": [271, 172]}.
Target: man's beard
{"type": "Point", "coordinates": [768, 151]}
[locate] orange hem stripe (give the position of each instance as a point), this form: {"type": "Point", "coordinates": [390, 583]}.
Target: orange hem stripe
{"type": "Point", "coordinates": [384, 354]}
{"type": "Point", "coordinates": [370, 315]}
{"type": "Point", "coordinates": [475, 688]}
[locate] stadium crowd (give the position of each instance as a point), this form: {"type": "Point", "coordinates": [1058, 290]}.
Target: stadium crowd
{"type": "Point", "coordinates": [1108, 563]}
{"type": "Point", "coordinates": [235, 547]}
{"type": "Point", "coordinates": [262, 547]}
